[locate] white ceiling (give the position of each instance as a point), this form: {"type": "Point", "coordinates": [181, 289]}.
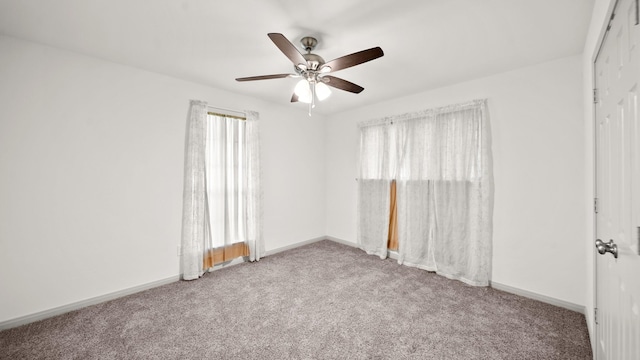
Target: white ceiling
{"type": "Point", "coordinates": [427, 43]}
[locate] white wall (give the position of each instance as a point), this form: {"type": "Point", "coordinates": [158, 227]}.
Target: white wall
{"type": "Point", "coordinates": [91, 165]}
{"type": "Point", "coordinates": [539, 168]}
{"type": "Point", "coordinates": [599, 20]}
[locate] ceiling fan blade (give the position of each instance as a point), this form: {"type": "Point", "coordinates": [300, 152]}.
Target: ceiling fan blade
{"type": "Point", "coordinates": [342, 84]}
{"type": "Point", "coordinates": [287, 48]}
{"type": "Point", "coordinates": [294, 98]}
{"type": "Point", "coordinates": [354, 59]}
{"type": "Point", "coordinates": [264, 77]}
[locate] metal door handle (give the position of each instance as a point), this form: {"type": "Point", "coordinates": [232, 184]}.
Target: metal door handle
{"type": "Point", "coordinates": [605, 247]}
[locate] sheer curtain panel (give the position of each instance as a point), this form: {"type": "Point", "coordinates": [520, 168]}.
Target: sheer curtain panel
{"type": "Point", "coordinates": [194, 196]}
{"type": "Point", "coordinates": [445, 192]}
{"type": "Point", "coordinates": [377, 168]}
{"type": "Point", "coordinates": [254, 188]}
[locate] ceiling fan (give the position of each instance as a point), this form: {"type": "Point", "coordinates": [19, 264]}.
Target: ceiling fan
{"type": "Point", "coordinates": [315, 71]}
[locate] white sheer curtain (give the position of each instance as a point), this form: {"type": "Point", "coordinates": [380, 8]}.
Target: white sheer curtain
{"type": "Point", "coordinates": [377, 165]}
{"type": "Point", "coordinates": [444, 189]}
{"type": "Point", "coordinates": [445, 193]}
{"type": "Point", "coordinates": [226, 180]}
{"type": "Point", "coordinates": [194, 195]}
{"type": "Point", "coordinates": [222, 196]}
{"type": "Point", "coordinates": [254, 188]}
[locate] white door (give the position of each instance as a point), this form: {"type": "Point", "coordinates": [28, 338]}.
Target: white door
{"type": "Point", "coordinates": [617, 76]}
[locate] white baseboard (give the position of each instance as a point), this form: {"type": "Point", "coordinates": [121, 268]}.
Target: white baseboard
{"type": "Point", "coordinates": [543, 298]}
{"type": "Point", "coordinates": [392, 254]}
{"type": "Point", "coordinates": [524, 293]}
{"type": "Point", "coordinates": [341, 241]}
{"type": "Point", "coordinates": [8, 324]}
{"type": "Point", "coordinates": [293, 246]}
{"type": "Point", "coordinates": [84, 303]}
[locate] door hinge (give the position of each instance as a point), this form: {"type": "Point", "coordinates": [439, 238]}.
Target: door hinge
{"type": "Point", "coordinates": [595, 205]}
{"type": "Point", "coordinates": [595, 315]}
{"type": "Point", "coordinates": [595, 96]}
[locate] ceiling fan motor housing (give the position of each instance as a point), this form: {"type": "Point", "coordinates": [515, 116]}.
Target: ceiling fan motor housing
{"type": "Point", "coordinates": [313, 61]}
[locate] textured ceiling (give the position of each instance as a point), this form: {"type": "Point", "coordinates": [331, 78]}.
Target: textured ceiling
{"type": "Point", "coordinates": [427, 43]}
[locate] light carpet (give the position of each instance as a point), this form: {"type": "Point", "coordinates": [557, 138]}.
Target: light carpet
{"type": "Point", "coordinates": [320, 301]}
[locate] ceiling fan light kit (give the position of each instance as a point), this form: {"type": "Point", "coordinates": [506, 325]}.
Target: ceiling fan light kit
{"type": "Point", "coordinates": [314, 70]}
{"type": "Point", "coordinates": [304, 91]}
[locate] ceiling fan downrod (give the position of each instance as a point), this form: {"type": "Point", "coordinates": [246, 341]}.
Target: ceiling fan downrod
{"type": "Point", "coordinates": [308, 43]}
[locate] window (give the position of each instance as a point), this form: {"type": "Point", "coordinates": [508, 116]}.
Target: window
{"type": "Point", "coordinates": [222, 212]}
{"type": "Point", "coordinates": [426, 189]}
{"type": "Point", "coordinates": [226, 169]}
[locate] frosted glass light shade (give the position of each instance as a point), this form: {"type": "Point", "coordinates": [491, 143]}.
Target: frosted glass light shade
{"type": "Point", "coordinates": [322, 91]}
{"type": "Point", "coordinates": [303, 91]}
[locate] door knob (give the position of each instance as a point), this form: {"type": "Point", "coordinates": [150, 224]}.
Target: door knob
{"type": "Point", "coordinates": [605, 247]}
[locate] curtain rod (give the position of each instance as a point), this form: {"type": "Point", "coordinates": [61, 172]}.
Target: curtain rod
{"type": "Point", "coordinates": [222, 112]}
{"type": "Point", "coordinates": [226, 115]}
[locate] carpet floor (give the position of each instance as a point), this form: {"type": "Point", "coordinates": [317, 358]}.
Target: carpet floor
{"type": "Point", "coordinates": [320, 301]}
